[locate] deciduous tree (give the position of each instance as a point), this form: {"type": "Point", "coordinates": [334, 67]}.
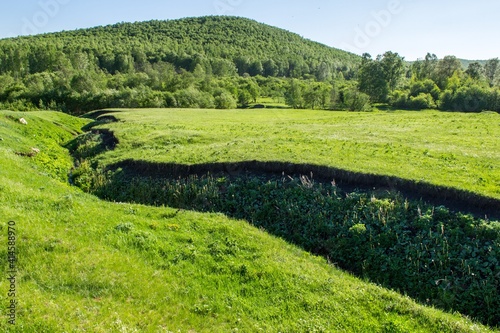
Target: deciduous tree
{"type": "Point", "coordinates": [393, 67]}
{"type": "Point", "coordinates": [491, 69]}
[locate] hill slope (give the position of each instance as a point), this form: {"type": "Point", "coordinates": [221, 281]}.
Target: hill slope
{"type": "Point", "coordinates": [222, 42]}
{"type": "Point", "coordinates": [87, 265]}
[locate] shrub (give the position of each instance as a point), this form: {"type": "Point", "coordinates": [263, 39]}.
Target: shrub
{"type": "Point", "coordinates": [446, 100]}
{"type": "Point", "coordinates": [225, 101]}
{"type": "Point", "coordinates": [399, 99]}
{"type": "Point", "coordinates": [193, 98]}
{"type": "Point", "coordinates": [470, 98]}
{"type": "Point", "coordinates": [422, 101]}
{"type": "Point", "coordinates": [356, 100]}
{"type": "Point", "coordinates": [494, 100]}
{"type": "Point", "coordinates": [426, 86]}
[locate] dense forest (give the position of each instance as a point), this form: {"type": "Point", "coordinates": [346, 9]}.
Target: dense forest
{"type": "Point", "coordinates": [225, 62]}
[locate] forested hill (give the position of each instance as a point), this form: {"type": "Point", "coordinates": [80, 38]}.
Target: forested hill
{"type": "Point", "coordinates": [220, 45]}
{"type": "Point", "coordinates": [206, 62]}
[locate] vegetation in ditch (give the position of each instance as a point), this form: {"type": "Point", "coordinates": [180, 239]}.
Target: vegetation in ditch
{"type": "Point", "coordinates": [442, 258]}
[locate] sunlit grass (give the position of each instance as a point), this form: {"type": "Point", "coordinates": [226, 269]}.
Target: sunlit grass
{"type": "Point", "coordinates": [448, 149]}
{"type": "Point", "coordinates": [88, 265]}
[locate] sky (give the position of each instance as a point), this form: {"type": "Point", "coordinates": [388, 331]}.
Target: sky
{"type": "Point", "coordinates": [412, 28]}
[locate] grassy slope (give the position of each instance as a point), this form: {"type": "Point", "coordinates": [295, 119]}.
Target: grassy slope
{"type": "Point", "coordinates": [450, 149]}
{"type": "Point", "coordinates": [88, 265]}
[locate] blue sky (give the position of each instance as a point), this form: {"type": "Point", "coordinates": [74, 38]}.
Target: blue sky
{"type": "Point", "coordinates": [466, 29]}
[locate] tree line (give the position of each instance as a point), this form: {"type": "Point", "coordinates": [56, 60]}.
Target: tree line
{"type": "Point", "coordinates": [224, 62]}
{"type": "Point", "coordinates": [431, 83]}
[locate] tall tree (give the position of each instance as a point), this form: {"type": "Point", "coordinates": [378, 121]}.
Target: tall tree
{"type": "Point", "coordinates": [270, 68]}
{"type": "Point", "coordinates": [256, 68]}
{"type": "Point", "coordinates": [294, 95]}
{"type": "Point", "coordinates": [491, 69]}
{"type": "Point", "coordinates": [445, 69]}
{"type": "Point", "coordinates": [371, 81]}
{"type": "Point", "coordinates": [323, 72]}
{"type": "Point", "coordinates": [475, 70]}
{"type": "Point", "coordinates": [393, 67]}
{"type": "Point", "coordinates": [430, 64]}
{"type": "Point", "coordinates": [317, 94]}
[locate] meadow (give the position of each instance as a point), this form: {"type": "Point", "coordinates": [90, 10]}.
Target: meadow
{"type": "Point", "coordinates": [84, 264]}
{"type": "Point", "coordinates": [455, 150]}
{"type": "Point", "coordinates": [212, 161]}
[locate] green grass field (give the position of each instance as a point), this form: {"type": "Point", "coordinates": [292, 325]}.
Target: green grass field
{"type": "Point", "coordinates": [85, 265]}
{"type": "Point", "coordinates": [448, 149]}
{"type": "Point", "coordinates": [423, 148]}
